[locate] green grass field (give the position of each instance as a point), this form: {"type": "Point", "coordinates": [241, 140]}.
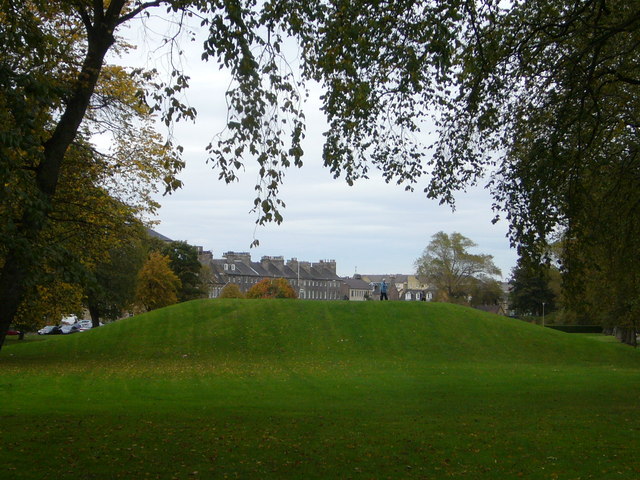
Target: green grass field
{"type": "Point", "coordinates": [301, 389]}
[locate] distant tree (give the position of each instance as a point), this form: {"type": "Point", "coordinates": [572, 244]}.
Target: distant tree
{"type": "Point", "coordinates": [111, 286]}
{"type": "Point", "coordinates": [272, 288]}
{"type": "Point", "coordinates": [157, 286]}
{"type": "Point", "coordinates": [486, 291]}
{"type": "Point", "coordinates": [447, 265]}
{"type": "Point", "coordinates": [206, 280]}
{"type": "Point", "coordinates": [185, 264]}
{"type": "Point", "coordinates": [531, 287]}
{"type": "Point", "coordinates": [231, 290]}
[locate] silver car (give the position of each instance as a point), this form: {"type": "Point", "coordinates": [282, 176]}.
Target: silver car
{"type": "Point", "coordinates": [67, 329]}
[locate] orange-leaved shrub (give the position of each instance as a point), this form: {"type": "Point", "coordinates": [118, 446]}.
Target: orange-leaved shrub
{"type": "Point", "coordinates": [272, 288]}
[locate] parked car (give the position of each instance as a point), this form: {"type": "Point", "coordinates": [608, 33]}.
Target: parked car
{"type": "Point", "coordinates": [50, 330]}
{"type": "Point", "coordinates": [83, 325]}
{"type": "Point", "coordinates": [67, 329]}
{"type": "Point", "coordinates": [18, 333]}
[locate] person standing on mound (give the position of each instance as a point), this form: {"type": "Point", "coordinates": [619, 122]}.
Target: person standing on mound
{"type": "Point", "coordinates": [383, 290]}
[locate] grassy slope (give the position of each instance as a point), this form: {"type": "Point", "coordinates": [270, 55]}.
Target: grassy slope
{"type": "Point", "coordinates": [326, 389]}
{"type": "Point", "coordinates": [238, 331]}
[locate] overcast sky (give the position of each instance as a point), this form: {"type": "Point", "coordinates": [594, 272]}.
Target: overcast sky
{"type": "Point", "coordinates": [371, 227]}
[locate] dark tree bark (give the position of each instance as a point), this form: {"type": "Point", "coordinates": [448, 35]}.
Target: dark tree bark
{"type": "Point", "coordinates": [94, 312]}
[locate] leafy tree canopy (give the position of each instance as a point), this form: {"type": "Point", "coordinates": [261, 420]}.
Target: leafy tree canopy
{"type": "Point", "coordinates": [272, 288]}
{"type": "Point", "coordinates": [231, 290]}
{"type": "Point", "coordinates": [111, 284]}
{"type": "Point", "coordinates": [486, 291]}
{"type": "Point", "coordinates": [48, 304]}
{"type": "Point", "coordinates": [531, 288]}
{"type": "Point", "coordinates": [157, 285]}
{"type": "Point", "coordinates": [447, 264]}
{"type": "Point", "coordinates": [185, 264]}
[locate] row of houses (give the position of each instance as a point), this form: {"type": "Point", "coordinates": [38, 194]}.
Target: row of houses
{"type": "Point", "coordinates": [315, 280]}
{"type": "Point", "coordinates": [311, 280]}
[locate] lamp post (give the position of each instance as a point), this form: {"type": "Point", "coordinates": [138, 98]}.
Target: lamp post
{"type": "Point", "coordinates": [543, 314]}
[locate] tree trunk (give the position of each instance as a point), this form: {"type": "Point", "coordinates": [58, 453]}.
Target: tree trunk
{"type": "Point", "coordinates": [12, 286]}
{"type": "Point", "coordinates": [626, 335]}
{"type": "Point", "coordinates": [20, 262]}
{"type": "Point", "coordinates": [94, 312]}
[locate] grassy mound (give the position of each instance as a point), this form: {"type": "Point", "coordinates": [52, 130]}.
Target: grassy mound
{"type": "Point", "coordinates": [246, 331]}
{"type": "Point", "coordinates": [295, 389]}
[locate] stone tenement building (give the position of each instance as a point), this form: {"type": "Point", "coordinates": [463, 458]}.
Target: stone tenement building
{"type": "Point", "coordinates": [313, 281]}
